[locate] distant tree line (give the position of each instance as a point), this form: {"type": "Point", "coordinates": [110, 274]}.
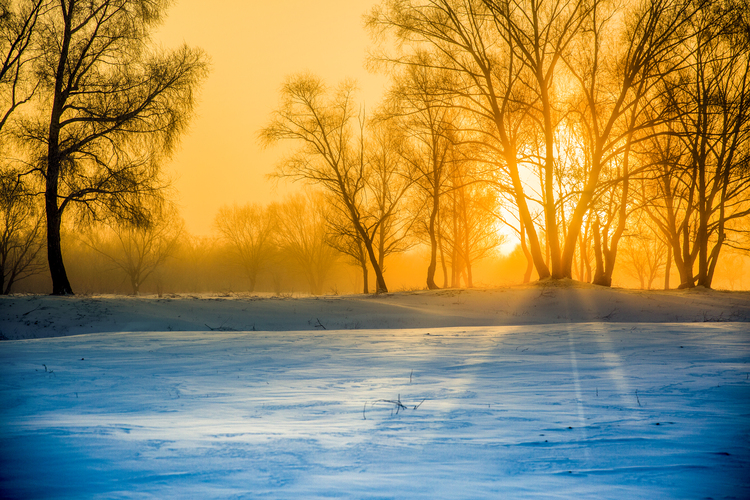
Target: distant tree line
{"type": "Point", "coordinates": [292, 252]}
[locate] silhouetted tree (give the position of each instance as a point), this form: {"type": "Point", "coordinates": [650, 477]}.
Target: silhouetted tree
{"type": "Point", "coordinates": [137, 250]}
{"type": "Point", "coordinates": [21, 232]}
{"type": "Point", "coordinates": [249, 231]}
{"type": "Point", "coordinates": [21, 229]}
{"type": "Point", "coordinates": [485, 73]}
{"type": "Point", "coordinates": [702, 176]}
{"type": "Point", "coordinates": [110, 107]}
{"type": "Point", "coordinates": [386, 181]}
{"type": "Point", "coordinates": [426, 117]}
{"type": "Point", "coordinates": [469, 229]}
{"type": "Point", "coordinates": [332, 153]}
{"type": "Point", "coordinates": [302, 235]}
{"type": "Point", "coordinates": [617, 87]}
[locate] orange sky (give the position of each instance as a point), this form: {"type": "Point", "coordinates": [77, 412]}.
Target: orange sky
{"type": "Point", "coordinates": [253, 46]}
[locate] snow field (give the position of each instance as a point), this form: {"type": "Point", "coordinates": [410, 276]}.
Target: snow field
{"type": "Point", "coordinates": [592, 410]}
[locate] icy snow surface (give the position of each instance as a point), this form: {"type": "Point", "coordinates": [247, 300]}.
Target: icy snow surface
{"type": "Point", "coordinates": [586, 410]}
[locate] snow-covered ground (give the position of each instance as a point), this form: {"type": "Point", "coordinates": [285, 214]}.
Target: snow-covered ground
{"type": "Point", "coordinates": [35, 316]}
{"type": "Point", "coordinates": [577, 407]}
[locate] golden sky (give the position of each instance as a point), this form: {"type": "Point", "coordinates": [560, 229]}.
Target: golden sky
{"type": "Point", "coordinates": [253, 46]}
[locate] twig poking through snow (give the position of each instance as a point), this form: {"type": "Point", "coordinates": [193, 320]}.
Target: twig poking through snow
{"type": "Point", "coordinates": [609, 316]}
{"type": "Point", "coordinates": [636, 397]}
{"type": "Point", "coordinates": [397, 404]}
{"type": "Point", "coordinates": [28, 312]}
{"type": "Point", "coordinates": [320, 325]}
{"type": "Point", "coordinates": [221, 328]}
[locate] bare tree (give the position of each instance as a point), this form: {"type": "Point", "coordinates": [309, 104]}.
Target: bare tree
{"type": "Point", "coordinates": [249, 231]}
{"type": "Point", "coordinates": [303, 235]}
{"type": "Point", "coordinates": [332, 154]}
{"type": "Point", "coordinates": [645, 254]}
{"type": "Point", "coordinates": [21, 232]}
{"type": "Point", "coordinates": [540, 34]}
{"type": "Point", "coordinates": [469, 41]}
{"type": "Point", "coordinates": [110, 107]}
{"type": "Point", "coordinates": [427, 120]}
{"type": "Point", "coordinates": [21, 229]}
{"type": "Point", "coordinates": [617, 90]}
{"type": "Point", "coordinates": [701, 180]}
{"type": "Point", "coordinates": [138, 251]}
{"type": "Point", "coordinates": [469, 228]}
{"type": "Point", "coordinates": [389, 181]}
{"type": "Point", "coordinates": [386, 182]}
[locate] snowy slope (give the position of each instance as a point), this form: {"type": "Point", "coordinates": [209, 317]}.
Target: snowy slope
{"type": "Point", "coordinates": [36, 316]}
{"type": "Point", "coordinates": [569, 410]}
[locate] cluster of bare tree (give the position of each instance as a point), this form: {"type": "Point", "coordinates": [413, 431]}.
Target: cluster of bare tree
{"type": "Point", "coordinates": [288, 247]}
{"type": "Point", "coordinates": [601, 132]}
{"type": "Point", "coordinates": [596, 120]}
{"type": "Point", "coordinates": [276, 243]}
{"type": "Point", "coordinates": [89, 108]}
{"type": "Point", "coordinates": [391, 180]}
{"type": "Point", "coordinates": [279, 238]}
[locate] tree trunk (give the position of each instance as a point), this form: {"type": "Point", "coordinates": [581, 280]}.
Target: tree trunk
{"type": "Point", "coordinates": [379, 279]}
{"type": "Point", "coordinates": [714, 256]}
{"type": "Point", "coordinates": [527, 254]}
{"type": "Point", "coordinates": [443, 262]}
{"type": "Point", "coordinates": [687, 279]}
{"type": "Point", "coordinates": [604, 258]}
{"type": "Point", "coordinates": [432, 267]}
{"type": "Point", "coordinates": [583, 252]}
{"type": "Point", "coordinates": [60, 283]}
{"type": "Point", "coordinates": [550, 213]}
{"type": "Point", "coordinates": [367, 239]}
{"type": "Point", "coordinates": [668, 268]}
{"type": "Point", "coordinates": [599, 270]}
{"type": "Point", "coordinates": [525, 215]}
{"type": "Point", "coordinates": [251, 287]}
{"type": "Point", "coordinates": [456, 264]}
{"type": "Point", "coordinates": [365, 277]}
{"type": "Point", "coordinates": [610, 251]}
{"type": "Point", "coordinates": [574, 227]}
